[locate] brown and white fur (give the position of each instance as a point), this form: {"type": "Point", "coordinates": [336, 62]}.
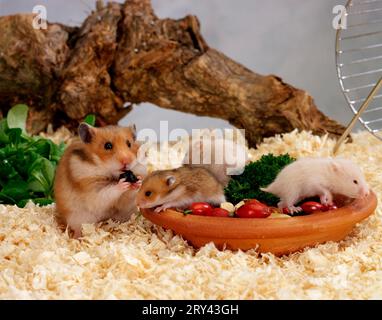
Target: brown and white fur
{"type": "Point", "coordinates": [87, 186]}
{"type": "Point", "coordinates": [178, 188]}
{"type": "Point", "coordinates": [321, 177]}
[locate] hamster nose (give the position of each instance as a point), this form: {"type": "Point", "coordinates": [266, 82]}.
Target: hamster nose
{"type": "Point", "coordinates": [364, 192]}
{"type": "Point", "coordinates": [125, 161]}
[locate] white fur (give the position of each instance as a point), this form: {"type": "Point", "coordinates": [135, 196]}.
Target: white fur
{"type": "Point", "coordinates": [321, 177]}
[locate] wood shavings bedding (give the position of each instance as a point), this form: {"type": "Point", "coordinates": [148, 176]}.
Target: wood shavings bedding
{"type": "Point", "coordinates": [137, 260]}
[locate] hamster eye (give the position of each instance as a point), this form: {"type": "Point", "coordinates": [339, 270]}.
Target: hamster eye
{"type": "Point", "coordinates": [128, 143]}
{"type": "Point", "coordinates": [355, 181]}
{"type": "Point", "coordinates": [108, 146]}
{"type": "Point", "coordinates": [148, 193]}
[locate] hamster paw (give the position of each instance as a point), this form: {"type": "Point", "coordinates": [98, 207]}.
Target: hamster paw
{"type": "Point", "coordinates": [123, 185]}
{"type": "Point", "coordinates": [325, 200]}
{"type": "Point", "coordinates": [164, 207]}
{"type": "Point", "coordinates": [136, 185]}
{"type": "Point", "coordinates": [159, 209]}
{"type": "Point", "coordinates": [139, 182]}
{"type": "Point", "coordinates": [293, 209]}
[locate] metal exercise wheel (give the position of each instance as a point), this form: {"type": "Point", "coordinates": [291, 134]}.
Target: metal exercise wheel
{"type": "Point", "coordinates": [359, 64]}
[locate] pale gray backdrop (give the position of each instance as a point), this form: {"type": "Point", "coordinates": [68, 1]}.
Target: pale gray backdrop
{"type": "Point", "coordinates": [291, 38]}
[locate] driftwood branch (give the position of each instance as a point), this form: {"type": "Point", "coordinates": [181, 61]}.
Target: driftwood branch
{"type": "Point", "coordinates": [124, 54]}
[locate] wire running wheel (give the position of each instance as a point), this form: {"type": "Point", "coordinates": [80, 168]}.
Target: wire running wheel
{"type": "Point", "coordinates": [359, 64]}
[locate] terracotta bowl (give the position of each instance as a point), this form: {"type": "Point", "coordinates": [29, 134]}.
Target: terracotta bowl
{"type": "Point", "coordinates": [277, 235]}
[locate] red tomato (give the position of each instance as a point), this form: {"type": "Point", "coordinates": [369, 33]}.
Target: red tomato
{"type": "Point", "coordinates": [219, 212]}
{"type": "Point", "coordinates": [330, 207]}
{"type": "Point", "coordinates": [199, 212]}
{"type": "Point", "coordinates": [286, 211]}
{"type": "Point", "coordinates": [200, 208]}
{"type": "Point", "coordinates": [312, 206]}
{"type": "Point", "coordinates": [253, 210]}
{"type": "Point", "coordinates": [256, 202]}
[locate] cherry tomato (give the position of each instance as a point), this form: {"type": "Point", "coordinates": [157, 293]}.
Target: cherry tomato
{"type": "Point", "coordinates": [286, 211]}
{"type": "Point", "coordinates": [219, 212]}
{"type": "Point", "coordinates": [330, 207]}
{"type": "Point", "coordinates": [253, 210]}
{"type": "Point", "coordinates": [251, 201]}
{"type": "Point", "coordinates": [200, 208]}
{"type": "Point", "coordinates": [312, 206]}
{"type": "Point", "coordinates": [199, 212]}
{"type": "Point", "coordinates": [256, 202]}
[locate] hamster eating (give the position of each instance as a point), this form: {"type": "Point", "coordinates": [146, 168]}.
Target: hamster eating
{"type": "Point", "coordinates": [178, 188]}
{"type": "Point", "coordinates": [321, 177]}
{"type": "Point", "coordinates": [87, 186]}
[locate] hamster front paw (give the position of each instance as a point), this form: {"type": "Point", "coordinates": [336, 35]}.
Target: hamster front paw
{"type": "Point", "coordinates": [124, 186]}
{"type": "Point", "coordinates": [161, 208]}
{"type": "Point", "coordinates": [137, 185]}
{"type": "Point", "coordinates": [326, 199]}
{"type": "Point", "coordinates": [293, 209]}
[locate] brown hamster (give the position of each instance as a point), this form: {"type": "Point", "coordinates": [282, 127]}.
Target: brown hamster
{"type": "Point", "coordinates": [87, 187]}
{"type": "Point", "coordinates": [178, 188]}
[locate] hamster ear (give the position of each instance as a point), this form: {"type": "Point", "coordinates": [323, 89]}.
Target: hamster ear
{"type": "Point", "coordinates": [85, 132]}
{"type": "Point", "coordinates": [133, 129]}
{"type": "Point", "coordinates": [335, 166]}
{"type": "Point", "coordinates": [170, 180]}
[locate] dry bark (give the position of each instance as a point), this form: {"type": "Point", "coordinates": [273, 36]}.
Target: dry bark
{"type": "Point", "coordinates": [124, 54]}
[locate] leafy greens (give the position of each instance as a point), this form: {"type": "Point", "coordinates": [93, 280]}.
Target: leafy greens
{"type": "Point", "coordinates": [256, 175]}
{"type": "Point", "coordinates": [27, 163]}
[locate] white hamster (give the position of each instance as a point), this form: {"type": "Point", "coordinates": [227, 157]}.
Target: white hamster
{"type": "Point", "coordinates": [321, 177]}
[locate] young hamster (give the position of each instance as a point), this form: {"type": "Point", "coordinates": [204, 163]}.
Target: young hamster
{"type": "Point", "coordinates": [87, 187]}
{"type": "Point", "coordinates": [222, 157]}
{"type": "Point", "coordinates": [321, 177]}
{"type": "Point", "coordinates": [178, 188]}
